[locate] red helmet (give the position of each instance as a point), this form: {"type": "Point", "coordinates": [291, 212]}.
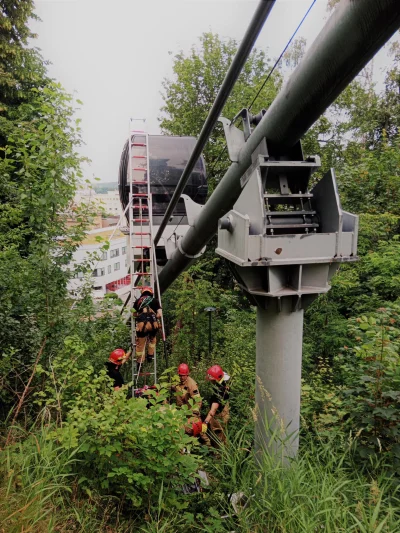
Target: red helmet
{"type": "Point", "coordinates": [147, 289]}
{"type": "Point", "coordinates": [215, 372]}
{"type": "Point", "coordinates": [117, 356]}
{"type": "Point", "coordinates": [183, 369]}
{"type": "Point", "coordinates": [197, 427]}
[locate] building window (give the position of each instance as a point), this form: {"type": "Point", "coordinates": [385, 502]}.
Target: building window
{"type": "Point", "coordinates": [117, 266]}
{"type": "Point", "coordinates": [98, 272]}
{"type": "Point", "coordinates": [109, 269]}
{"type": "Point", "coordinates": [114, 253]}
{"type": "Point", "coordinates": [103, 256]}
{"type": "Point", "coordinates": [123, 250]}
{"type": "Point", "coordinates": [80, 275]}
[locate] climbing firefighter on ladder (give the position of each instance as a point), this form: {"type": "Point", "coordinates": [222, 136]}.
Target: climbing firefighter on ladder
{"type": "Point", "coordinates": [147, 312]}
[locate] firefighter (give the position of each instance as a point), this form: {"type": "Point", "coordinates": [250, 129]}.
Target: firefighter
{"type": "Point", "coordinates": [147, 311]}
{"type": "Point", "coordinates": [117, 358]}
{"type": "Point", "coordinates": [187, 389]}
{"type": "Point", "coordinates": [218, 415]}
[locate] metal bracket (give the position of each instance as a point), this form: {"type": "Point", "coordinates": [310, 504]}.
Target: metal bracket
{"type": "Point", "coordinates": [283, 185]}
{"type": "Point", "coordinates": [234, 139]}
{"type": "Point", "coordinates": [192, 209]}
{"type": "Point", "coordinates": [171, 245]}
{"type": "Point", "coordinates": [187, 255]}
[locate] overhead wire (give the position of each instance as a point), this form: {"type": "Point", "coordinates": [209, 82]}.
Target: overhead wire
{"type": "Point", "coordinates": [259, 91]}
{"type": "Point", "coordinates": [281, 55]}
{"type": "Point", "coordinates": [269, 75]}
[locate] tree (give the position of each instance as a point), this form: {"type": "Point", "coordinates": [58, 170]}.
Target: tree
{"type": "Point", "coordinates": [39, 170]}
{"type": "Point", "coordinates": [21, 68]}
{"type": "Point", "coordinates": [295, 53]}
{"type": "Point", "coordinates": [188, 97]}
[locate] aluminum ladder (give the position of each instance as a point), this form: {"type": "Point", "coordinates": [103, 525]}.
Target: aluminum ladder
{"type": "Point", "coordinates": [143, 266]}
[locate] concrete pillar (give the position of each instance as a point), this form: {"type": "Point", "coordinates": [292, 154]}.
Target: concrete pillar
{"type": "Point", "coordinates": [278, 377]}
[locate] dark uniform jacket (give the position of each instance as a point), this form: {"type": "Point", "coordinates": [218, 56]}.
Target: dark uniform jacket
{"type": "Point", "coordinates": [146, 304]}
{"type": "Point", "coordinates": [114, 373]}
{"type": "Point", "coordinates": [220, 394]}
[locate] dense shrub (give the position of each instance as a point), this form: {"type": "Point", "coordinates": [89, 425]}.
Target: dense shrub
{"type": "Point", "coordinates": [130, 448]}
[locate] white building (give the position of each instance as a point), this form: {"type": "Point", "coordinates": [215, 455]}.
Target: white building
{"type": "Point", "coordinates": [110, 270]}
{"type": "Point", "coordinates": [108, 202]}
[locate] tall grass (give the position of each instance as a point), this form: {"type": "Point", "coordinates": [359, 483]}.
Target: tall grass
{"type": "Point", "coordinates": [39, 491]}
{"type": "Point", "coordinates": [35, 478]}
{"type": "Point", "coordinates": [320, 490]}
{"type": "Point", "coordinates": [317, 491]}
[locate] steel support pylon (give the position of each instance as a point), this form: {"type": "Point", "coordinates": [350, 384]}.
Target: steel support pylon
{"type": "Point", "coordinates": [278, 378]}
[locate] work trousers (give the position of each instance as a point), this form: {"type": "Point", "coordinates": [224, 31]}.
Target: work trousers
{"type": "Point", "coordinates": [217, 429]}
{"type": "Point", "coordinates": [146, 333]}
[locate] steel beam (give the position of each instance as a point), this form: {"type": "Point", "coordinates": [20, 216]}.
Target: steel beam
{"type": "Point", "coordinates": [356, 30]}
{"type": "Point", "coordinates": [256, 24]}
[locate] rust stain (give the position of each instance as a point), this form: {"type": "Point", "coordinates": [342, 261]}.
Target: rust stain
{"type": "Point", "coordinates": [278, 251]}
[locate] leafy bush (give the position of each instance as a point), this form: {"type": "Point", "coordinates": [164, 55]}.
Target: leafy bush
{"type": "Point", "coordinates": [129, 448]}
{"type": "Point", "coordinates": [366, 402]}
{"type": "Point", "coordinates": [374, 373]}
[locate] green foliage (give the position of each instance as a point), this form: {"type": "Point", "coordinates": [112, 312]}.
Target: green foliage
{"type": "Point", "coordinates": [373, 399]}
{"type": "Point", "coordinates": [372, 184]}
{"type": "Point", "coordinates": [107, 454]}
{"type": "Point", "coordinates": [20, 67]}
{"type": "Point", "coordinates": [316, 490]}
{"type": "Point", "coordinates": [187, 320]}
{"type": "Point", "coordinates": [36, 476]}
{"type": "Point", "coordinates": [381, 267]}
{"type": "Point", "coordinates": [39, 171]}
{"type": "Point", "coordinates": [128, 449]}
{"type": "Point", "coordinates": [359, 395]}
{"type": "Point", "coordinates": [188, 97]}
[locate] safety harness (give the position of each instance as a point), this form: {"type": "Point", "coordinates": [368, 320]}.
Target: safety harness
{"type": "Point", "coordinates": [147, 316]}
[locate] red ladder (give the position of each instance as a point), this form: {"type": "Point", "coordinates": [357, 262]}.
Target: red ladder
{"type": "Point", "coordinates": [142, 253]}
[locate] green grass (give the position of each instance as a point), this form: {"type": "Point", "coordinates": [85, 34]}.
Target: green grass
{"type": "Point", "coordinates": [39, 492]}
{"type": "Point", "coordinates": [36, 477]}
{"type": "Point", "coordinates": [319, 491]}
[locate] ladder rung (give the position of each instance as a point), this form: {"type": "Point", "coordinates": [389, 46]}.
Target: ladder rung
{"type": "Point", "coordinates": [142, 274]}
{"type": "Point", "coordinates": [138, 131]}
{"type": "Point", "coordinates": [139, 233]}
{"type": "Point", "coordinates": [146, 246]}
{"type": "Point", "coordinates": [145, 182]}
{"type": "Point", "coordinates": [288, 196]}
{"type": "Point", "coordinates": [289, 213]}
{"type": "Point", "coordinates": [139, 194]}
{"type": "Point", "coordinates": [290, 226]}
{"type": "Point", "coordinates": [141, 220]}
{"type": "Point", "coordinates": [139, 144]}
{"type": "Point", "coordinates": [139, 168]}
{"type": "Point", "coordinates": [144, 374]}
{"type": "Point", "coordinates": [139, 157]}
{"type": "Point", "coordinates": [142, 260]}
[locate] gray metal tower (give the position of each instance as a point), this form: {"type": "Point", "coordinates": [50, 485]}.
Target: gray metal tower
{"type": "Point", "coordinates": [284, 242]}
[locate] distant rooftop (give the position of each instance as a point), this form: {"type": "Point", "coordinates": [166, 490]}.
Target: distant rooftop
{"type": "Point", "coordinates": [105, 234]}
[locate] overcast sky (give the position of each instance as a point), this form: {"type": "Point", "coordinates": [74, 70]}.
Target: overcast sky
{"type": "Point", "coordinates": [113, 55]}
